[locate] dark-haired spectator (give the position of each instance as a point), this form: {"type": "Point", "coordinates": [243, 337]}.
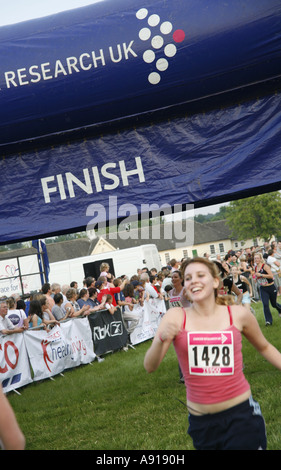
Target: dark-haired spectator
{"type": "Point", "coordinates": [149, 290]}
{"type": "Point", "coordinates": [89, 282]}
{"type": "Point", "coordinates": [243, 285]}
{"type": "Point", "coordinates": [153, 281]}
{"type": "Point", "coordinates": [21, 305]}
{"type": "Point", "coordinates": [145, 270]}
{"type": "Point", "coordinates": [83, 297]}
{"type": "Point", "coordinates": [167, 281]}
{"type": "Point", "coordinates": [17, 316]}
{"type": "Point", "coordinates": [109, 305]}
{"type": "Point", "coordinates": [74, 284]}
{"type": "Point", "coordinates": [153, 272]}
{"type": "Point", "coordinates": [244, 267]}
{"type": "Point", "coordinates": [104, 290]}
{"type": "Point", "coordinates": [175, 264]}
{"type": "Point", "coordinates": [6, 326]}
{"type": "Point", "coordinates": [227, 260]}
{"type": "Point", "coordinates": [57, 311]}
{"type": "Point", "coordinates": [229, 287]}
{"type": "Point", "coordinates": [233, 261]}
{"type": "Point", "coordinates": [129, 296]}
{"type": "Point", "coordinates": [92, 299]}
{"type": "Point", "coordinates": [130, 319]}
{"type": "Point", "coordinates": [138, 291]}
{"type": "Point", "coordinates": [48, 317]}
{"type": "Point", "coordinates": [119, 296]}
{"type": "Point", "coordinates": [95, 305]}
{"type": "Point", "coordinates": [71, 303]}
{"type": "Point", "coordinates": [47, 291]}
{"type": "Point", "coordinates": [35, 315]}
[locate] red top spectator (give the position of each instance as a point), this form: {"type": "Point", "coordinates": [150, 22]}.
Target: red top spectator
{"type": "Point", "coordinates": [108, 290]}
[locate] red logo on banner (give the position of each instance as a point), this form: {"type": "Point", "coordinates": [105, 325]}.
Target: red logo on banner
{"type": "Point", "coordinates": [46, 358]}
{"type": "Point", "coordinates": [7, 358]}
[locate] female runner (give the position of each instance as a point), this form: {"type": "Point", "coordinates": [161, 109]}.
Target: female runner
{"type": "Point", "coordinates": [268, 292]}
{"type": "Point", "coordinates": [207, 339]}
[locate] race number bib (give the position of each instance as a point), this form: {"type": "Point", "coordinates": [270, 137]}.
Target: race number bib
{"type": "Point", "coordinates": [210, 353]}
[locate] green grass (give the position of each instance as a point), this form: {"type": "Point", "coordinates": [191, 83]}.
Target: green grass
{"type": "Point", "coordinates": [116, 405]}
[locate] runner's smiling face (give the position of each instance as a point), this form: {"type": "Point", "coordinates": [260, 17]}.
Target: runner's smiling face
{"type": "Point", "coordinates": [199, 282]}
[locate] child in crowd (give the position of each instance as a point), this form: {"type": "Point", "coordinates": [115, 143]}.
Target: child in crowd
{"type": "Point", "coordinates": [35, 316]}
{"type": "Point", "coordinates": [48, 317]}
{"type": "Point", "coordinates": [104, 272]}
{"type": "Point", "coordinates": [129, 295]}
{"type": "Point", "coordinates": [138, 292]}
{"type": "Point", "coordinates": [109, 305]}
{"type": "Point", "coordinates": [153, 282]}
{"type": "Point", "coordinates": [145, 295]}
{"type": "Point", "coordinates": [17, 316]}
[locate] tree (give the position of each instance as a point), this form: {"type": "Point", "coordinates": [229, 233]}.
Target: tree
{"type": "Point", "coordinates": [255, 217]}
{"type": "Point", "coordinates": [221, 215]}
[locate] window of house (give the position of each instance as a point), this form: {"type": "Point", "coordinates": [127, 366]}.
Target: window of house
{"type": "Point", "coordinates": [185, 254]}
{"type": "Point", "coordinates": [212, 249]}
{"type": "Point", "coordinates": [221, 247]}
{"type": "Point", "coordinates": [167, 257]}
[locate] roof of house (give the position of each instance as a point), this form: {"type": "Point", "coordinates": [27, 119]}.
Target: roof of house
{"type": "Point", "coordinates": [58, 251]}
{"type": "Point", "coordinates": [167, 236]}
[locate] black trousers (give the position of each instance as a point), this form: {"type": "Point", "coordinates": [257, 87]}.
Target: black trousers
{"type": "Point", "coordinates": [269, 294]}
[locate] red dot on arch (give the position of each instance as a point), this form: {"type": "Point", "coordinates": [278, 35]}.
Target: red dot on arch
{"type": "Point", "coordinates": [178, 35]}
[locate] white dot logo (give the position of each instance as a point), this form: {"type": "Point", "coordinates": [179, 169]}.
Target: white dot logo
{"type": "Point", "coordinates": [155, 33]}
{"type": "Point", "coordinates": [142, 13]}
{"type": "Point", "coordinates": [144, 34]}
{"type": "Point", "coordinates": [162, 65]}
{"type": "Point", "coordinates": [166, 27]}
{"type": "Point", "coordinates": [170, 50]}
{"type": "Point", "coordinates": [148, 56]}
{"type": "Point", "coordinates": [157, 42]}
{"type": "Point", "coordinates": [153, 20]}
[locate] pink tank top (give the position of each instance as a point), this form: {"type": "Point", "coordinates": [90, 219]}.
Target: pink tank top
{"type": "Point", "coordinates": [211, 363]}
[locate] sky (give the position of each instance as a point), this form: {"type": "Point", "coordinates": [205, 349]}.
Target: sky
{"type": "Point", "coordinates": [22, 10]}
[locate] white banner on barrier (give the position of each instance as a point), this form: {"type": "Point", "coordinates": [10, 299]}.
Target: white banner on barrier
{"type": "Point", "coordinates": [149, 318]}
{"type": "Point", "coordinates": [79, 337]}
{"type": "Point", "coordinates": [64, 347]}
{"type": "Point", "coordinates": [14, 364]}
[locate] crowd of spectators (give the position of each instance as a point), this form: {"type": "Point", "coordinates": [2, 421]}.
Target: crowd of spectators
{"type": "Point", "coordinates": [256, 272]}
{"type": "Point", "coordinates": [56, 303]}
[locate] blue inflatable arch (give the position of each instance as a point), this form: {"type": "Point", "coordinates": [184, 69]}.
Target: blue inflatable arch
{"type": "Point", "coordinates": [147, 102]}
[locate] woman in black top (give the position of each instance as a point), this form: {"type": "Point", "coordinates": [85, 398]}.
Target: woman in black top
{"type": "Point", "coordinates": [264, 278]}
{"type": "Point", "coordinates": [243, 285]}
{"type": "Point", "coordinates": [229, 286]}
